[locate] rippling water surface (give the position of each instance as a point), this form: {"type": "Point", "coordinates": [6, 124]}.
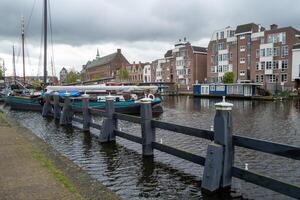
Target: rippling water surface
{"type": "Point", "coordinates": [121, 167]}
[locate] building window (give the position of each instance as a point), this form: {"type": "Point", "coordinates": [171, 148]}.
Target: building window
{"type": "Point", "coordinates": [220, 57]}
{"type": "Point", "coordinates": [220, 68]}
{"type": "Point", "coordinates": [257, 65]}
{"type": "Point", "coordinates": [242, 60]}
{"type": "Point", "coordinates": [276, 51]}
{"type": "Point", "coordinates": [222, 35]}
{"type": "Point", "coordinates": [271, 78]}
{"type": "Point", "coordinates": [221, 46]}
{"type": "Point", "coordinates": [242, 37]}
{"type": "Point", "coordinates": [225, 57]}
{"type": "Point", "coordinates": [213, 69]}
{"type": "Point", "coordinates": [283, 77]}
{"type": "Point", "coordinates": [284, 64]}
{"type": "Point", "coordinates": [269, 51]}
{"type": "Point", "coordinates": [275, 64]}
{"type": "Point", "coordinates": [261, 78]}
{"type": "Point", "coordinates": [262, 65]}
{"type": "Point", "coordinates": [269, 65]}
{"type": "Point", "coordinates": [225, 68]}
{"type": "Point", "coordinates": [257, 53]}
{"type": "Point", "coordinates": [230, 56]}
{"type": "Point", "coordinates": [217, 34]}
{"type": "Point", "coordinates": [284, 50]}
{"type": "Point", "coordinates": [242, 72]}
{"type": "Point", "coordinates": [257, 78]}
{"type": "Point", "coordinates": [242, 48]}
{"type": "Point", "coordinates": [262, 40]}
{"type": "Point", "coordinates": [262, 53]}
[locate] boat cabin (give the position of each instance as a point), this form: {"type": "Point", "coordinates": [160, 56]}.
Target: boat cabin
{"type": "Point", "coordinates": [232, 89]}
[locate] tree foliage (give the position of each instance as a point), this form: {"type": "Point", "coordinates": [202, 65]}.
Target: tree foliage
{"type": "Point", "coordinates": [1, 74]}
{"type": "Point", "coordinates": [123, 74]}
{"type": "Point", "coordinates": [71, 77]}
{"type": "Point", "coordinates": [228, 77]}
{"type": "Point", "coordinates": [37, 84]}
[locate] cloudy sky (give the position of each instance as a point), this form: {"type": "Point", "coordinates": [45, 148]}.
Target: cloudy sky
{"type": "Point", "coordinates": [143, 29]}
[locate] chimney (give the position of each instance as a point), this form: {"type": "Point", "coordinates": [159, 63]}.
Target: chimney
{"type": "Point", "coordinates": [118, 50]}
{"type": "Point", "coordinates": [273, 26]}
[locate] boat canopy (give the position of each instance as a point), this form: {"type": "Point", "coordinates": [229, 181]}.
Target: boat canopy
{"type": "Point", "coordinates": [84, 88]}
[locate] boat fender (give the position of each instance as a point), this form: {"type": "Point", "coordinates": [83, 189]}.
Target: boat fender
{"type": "Point", "coordinates": [151, 96]}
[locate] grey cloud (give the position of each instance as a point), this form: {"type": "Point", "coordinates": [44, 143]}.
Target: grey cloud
{"type": "Point", "coordinates": [79, 22]}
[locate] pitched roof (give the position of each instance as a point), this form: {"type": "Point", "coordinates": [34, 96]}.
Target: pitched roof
{"type": "Point", "coordinates": [199, 49]}
{"type": "Point", "coordinates": [244, 28]}
{"type": "Point", "coordinates": [101, 61]}
{"type": "Point", "coordinates": [168, 54]}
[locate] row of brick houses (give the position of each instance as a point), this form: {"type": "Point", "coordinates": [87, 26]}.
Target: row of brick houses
{"type": "Point", "coordinates": [184, 64]}
{"type": "Point", "coordinates": [252, 52]}
{"type": "Point", "coordinates": [255, 54]}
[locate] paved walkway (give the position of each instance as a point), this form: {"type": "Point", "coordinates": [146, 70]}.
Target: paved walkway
{"type": "Point", "coordinates": [22, 176]}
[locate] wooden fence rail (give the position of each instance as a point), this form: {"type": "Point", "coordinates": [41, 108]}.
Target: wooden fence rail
{"type": "Point", "coordinates": [219, 162]}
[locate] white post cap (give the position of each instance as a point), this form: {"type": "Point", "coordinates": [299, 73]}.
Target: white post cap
{"type": "Point", "coordinates": [223, 105]}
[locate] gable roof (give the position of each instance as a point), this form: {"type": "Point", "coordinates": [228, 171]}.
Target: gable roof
{"type": "Point", "coordinates": [101, 61]}
{"type": "Point", "coordinates": [244, 28]}
{"type": "Point", "coordinates": [199, 49]}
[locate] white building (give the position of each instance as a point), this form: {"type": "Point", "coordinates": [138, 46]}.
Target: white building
{"type": "Point", "coordinates": [147, 73]}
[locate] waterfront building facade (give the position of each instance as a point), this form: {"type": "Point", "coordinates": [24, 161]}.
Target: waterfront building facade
{"type": "Point", "coordinates": [103, 67]}
{"type": "Point", "coordinates": [253, 54]}
{"type": "Point", "coordinates": [184, 65]}
{"type": "Point", "coordinates": [147, 72]}
{"type": "Point", "coordinates": [135, 71]}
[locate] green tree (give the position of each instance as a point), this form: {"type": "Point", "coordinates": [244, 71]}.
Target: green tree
{"type": "Point", "coordinates": [71, 77]}
{"type": "Point", "coordinates": [228, 77]}
{"type": "Point", "coordinates": [1, 74]}
{"type": "Point", "coordinates": [123, 74]}
{"type": "Point", "coordinates": [37, 84]}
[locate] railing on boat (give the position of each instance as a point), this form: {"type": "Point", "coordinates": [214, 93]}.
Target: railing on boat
{"type": "Point", "coordinates": [219, 163]}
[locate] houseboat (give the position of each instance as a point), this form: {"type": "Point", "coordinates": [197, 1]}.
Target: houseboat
{"type": "Point", "coordinates": [241, 90]}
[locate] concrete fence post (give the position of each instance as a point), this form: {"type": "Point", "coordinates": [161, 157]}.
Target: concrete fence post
{"type": "Point", "coordinates": [148, 132]}
{"type": "Point", "coordinates": [109, 122]}
{"type": "Point", "coordinates": [56, 106]}
{"type": "Point", "coordinates": [67, 113]}
{"type": "Point", "coordinates": [47, 108]}
{"type": "Point", "coordinates": [85, 112]}
{"type": "Point", "coordinates": [220, 154]}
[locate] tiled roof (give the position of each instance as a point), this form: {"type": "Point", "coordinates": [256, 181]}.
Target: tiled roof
{"type": "Point", "coordinates": [101, 61]}
{"type": "Point", "coordinates": [244, 28]}
{"type": "Point", "coordinates": [168, 54]}
{"type": "Point", "coordinates": [199, 49]}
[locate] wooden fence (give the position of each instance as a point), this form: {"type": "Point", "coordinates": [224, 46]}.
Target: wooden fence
{"type": "Point", "coordinates": [219, 162]}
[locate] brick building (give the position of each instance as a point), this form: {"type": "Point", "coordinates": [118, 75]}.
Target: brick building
{"type": "Point", "coordinates": [253, 54]}
{"type": "Point", "coordinates": [103, 67]}
{"type": "Point", "coordinates": [135, 72]}
{"type": "Point", "coordinates": [184, 65]}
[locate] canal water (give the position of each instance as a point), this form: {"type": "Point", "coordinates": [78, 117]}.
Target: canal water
{"type": "Point", "coordinates": [121, 167]}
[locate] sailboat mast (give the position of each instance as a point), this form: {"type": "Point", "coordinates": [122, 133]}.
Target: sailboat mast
{"type": "Point", "coordinates": [23, 51]}
{"type": "Point", "coordinates": [45, 41]}
{"type": "Point", "coordinates": [14, 63]}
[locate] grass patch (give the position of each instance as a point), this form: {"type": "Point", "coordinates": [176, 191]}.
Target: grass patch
{"type": "Point", "coordinates": [56, 173]}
